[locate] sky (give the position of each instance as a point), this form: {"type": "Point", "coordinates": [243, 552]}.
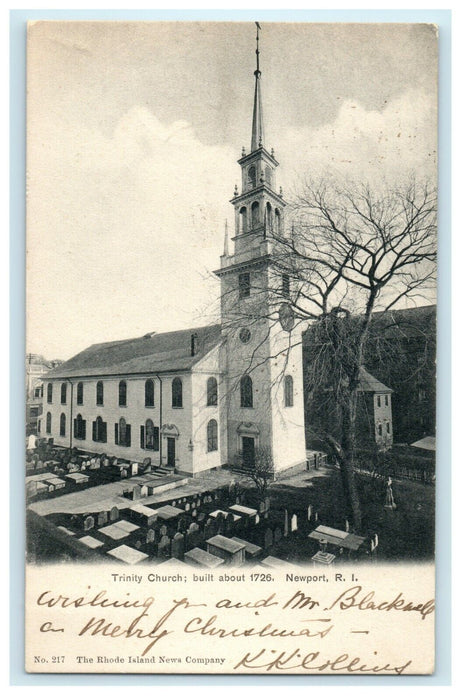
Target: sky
{"type": "Point", "coordinates": [134, 130]}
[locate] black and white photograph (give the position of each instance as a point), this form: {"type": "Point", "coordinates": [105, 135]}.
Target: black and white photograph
{"type": "Point", "coordinates": [231, 340]}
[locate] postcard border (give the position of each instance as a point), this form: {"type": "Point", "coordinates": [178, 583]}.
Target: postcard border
{"type": "Point", "coordinates": [18, 19]}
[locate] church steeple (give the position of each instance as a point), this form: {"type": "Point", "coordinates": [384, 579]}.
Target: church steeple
{"type": "Point", "coordinates": [257, 131]}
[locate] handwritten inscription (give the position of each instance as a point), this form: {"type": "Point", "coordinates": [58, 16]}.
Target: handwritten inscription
{"type": "Point", "coordinates": [297, 616]}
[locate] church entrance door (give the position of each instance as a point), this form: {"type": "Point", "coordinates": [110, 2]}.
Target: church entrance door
{"type": "Point", "coordinates": [171, 452]}
{"type": "Point", "coordinates": [248, 452]}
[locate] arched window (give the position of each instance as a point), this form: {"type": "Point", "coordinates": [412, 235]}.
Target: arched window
{"type": "Point", "coordinates": [288, 386]}
{"type": "Point", "coordinates": [378, 401]}
{"type": "Point", "coordinates": [278, 222]}
{"type": "Point", "coordinates": [380, 430]}
{"type": "Point", "coordinates": [149, 393]}
{"type": "Point", "coordinates": [64, 393]}
{"type": "Point", "coordinates": [48, 422]}
{"type": "Point", "coordinates": [176, 393]}
{"type": "Point", "coordinates": [62, 425]}
{"type": "Point", "coordinates": [246, 392]}
{"type": "Point", "coordinates": [388, 428]}
{"type": "Point", "coordinates": [79, 393]}
{"type": "Point", "coordinates": [122, 433]}
{"type": "Point", "coordinates": [243, 222]}
{"type": "Point", "coordinates": [49, 393]}
{"type": "Point", "coordinates": [212, 392]}
{"type": "Point", "coordinates": [269, 216]}
{"type": "Point", "coordinates": [212, 435]}
{"type": "Point", "coordinates": [99, 430]}
{"type": "Point", "coordinates": [122, 393]}
{"type": "Point", "coordinates": [99, 394]}
{"type": "Point", "coordinates": [268, 175]}
{"type": "Point", "coordinates": [251, 177]}
{"type": "Point", "coordinates": [254, 214]}
{"type": "Point", "coordinates": [152, 436]}
{"type": "Point", "coordinates": [79, 427]}
{"type": "Point", "coordinates": [38, 392]}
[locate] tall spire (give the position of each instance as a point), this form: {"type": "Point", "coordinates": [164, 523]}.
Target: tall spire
{"type": "Point", "coordinates": [257, 131]}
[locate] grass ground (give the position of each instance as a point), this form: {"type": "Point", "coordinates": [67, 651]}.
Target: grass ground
{"type": "Point", "coordinates": [405, 533]}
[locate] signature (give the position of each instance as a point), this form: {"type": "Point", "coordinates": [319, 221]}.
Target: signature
{"type": "Point", "coordinates": [272, 660]}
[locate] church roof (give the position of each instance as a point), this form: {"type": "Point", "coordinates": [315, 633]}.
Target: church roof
{"type": "Point", "coordinates": [153, 352]}
{"type": "Point", "coordinates": [369, 383]}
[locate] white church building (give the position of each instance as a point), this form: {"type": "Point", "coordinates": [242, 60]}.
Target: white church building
{"type": "Point", "coordinates": [202, 398]}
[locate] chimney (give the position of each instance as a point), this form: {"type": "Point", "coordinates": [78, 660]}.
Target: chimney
{"type": "Point", "coordinates": [193, 348]}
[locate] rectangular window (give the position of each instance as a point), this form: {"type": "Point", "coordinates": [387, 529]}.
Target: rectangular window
{"type": "Point", "coordinates": [244, 285]}
{"type": "Point", "coordinates": [378, 400]}
{"type": "Point", "coordinates": [386, 400]}
{"type": "Point", "coordinates": [286, 286]}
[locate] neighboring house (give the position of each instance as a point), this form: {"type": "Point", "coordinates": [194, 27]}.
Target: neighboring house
{"type": "Point", "coordinates": [205, 397]}
{"type": "Point", "coordinates": [36, 367]}
{"type": "Point", "coordinates": [374, 411]}
{"type": "Point", "coordinates": [374, 414]}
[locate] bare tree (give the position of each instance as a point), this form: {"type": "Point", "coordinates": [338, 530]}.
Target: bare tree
{"type": "Point", "coordinates": [351, 253]}
{"type": "Point", "coordinates": [261, 472]}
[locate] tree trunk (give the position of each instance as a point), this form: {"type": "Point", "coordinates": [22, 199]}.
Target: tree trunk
{"type": "Point", "coordinates": [348, 460]}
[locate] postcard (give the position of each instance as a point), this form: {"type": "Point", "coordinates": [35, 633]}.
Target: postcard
{"type": "Point", "coordinates": [231, 342]}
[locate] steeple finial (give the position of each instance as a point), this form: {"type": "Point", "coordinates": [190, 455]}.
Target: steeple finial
{"type": "Point", "coordinates": [257, 131]}
{"type": "Point", "coordinates": [226, 240]}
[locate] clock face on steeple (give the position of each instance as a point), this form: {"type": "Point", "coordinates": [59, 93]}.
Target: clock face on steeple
{"type": "Point", "coordinates": [286, 317]}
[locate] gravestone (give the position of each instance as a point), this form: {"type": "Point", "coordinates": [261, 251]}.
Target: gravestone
{"type": "Point", "coordinates": [164, 547]}
{"type": "Point", "coordinates": [134, 468]}
{"type": "Point", "coordinates": [123, 474]}
{"type": "Point", "coordinates": [173, 503]}
{"type": "Point", "coordinates": [257, 519]}
{"type": "Point", "coordinates": [150, 536]}
{"type": "Point", "coordinates": [163, 531]}
{"type": "Point", "coordinates": [102, 518]}
{"type": "Point", "coordinates": [194, 536]}
{"type": "Point", "coordinates": [199, 502]}
{"type": "Point", "coordinates": [262, 507]}
{"type": "Point", "coordinates": [194, 513]}
{"type": "Point", "coordinates": [187, 507]}
{"type": "Point", "coordinates": [144, 491]}
{"type": "Point", "coordinates": [294, 522]}
{"type": "Point", "coordinates": [285, 524]}
{"type": "Point", "coordinates": [220, 523]}
{"type": "Point", "coordinates": [88, 523]}
{"type": "Point", "coordinates": [182, 524]}
{"type": "Point", "coordinates": [268, 538]}
{"type": "Point", "coordinates": [201, 517]}
{"type": "Point", "coordinates": [136, 493]}
{"type": "Point", "coordinates": [114, 514]}
{"type": "Point", "coordinates": [177, 546]}
{"type": "Point", "coordinates": [138, 544]}
{"type": "Point", "coordinates": [277, 535]}
{"type": "Point", "coordinates": [309, 513]}
{"type": "Point", "coordinates": [209, 529]}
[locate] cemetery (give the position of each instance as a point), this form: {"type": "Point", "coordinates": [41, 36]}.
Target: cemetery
{"type": "Point", "coordinates": [224, 527]}
{"type": "Point", "coordinates": [152, 518]}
